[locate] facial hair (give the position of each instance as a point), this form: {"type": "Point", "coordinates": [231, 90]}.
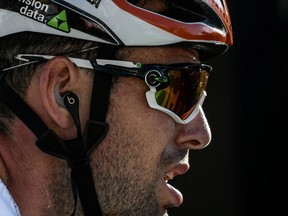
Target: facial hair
{"type": "Point", "coordinates": [125, 182]}
{"type": "Point", "coordinates": [125, 185]}
{"type": "Point", "coordinates": [125, 188]}
{"type": "Point", "coordinates": [60, 193]}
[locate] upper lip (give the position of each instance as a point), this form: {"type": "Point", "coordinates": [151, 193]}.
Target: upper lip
{"type": "Point", "coordinates": [178, 169]}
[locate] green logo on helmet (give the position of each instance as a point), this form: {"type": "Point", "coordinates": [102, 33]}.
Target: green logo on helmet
{"type": "Point", "coordinates": [60, 22]}
{"type": "Point", "coordinates": [38, 11]}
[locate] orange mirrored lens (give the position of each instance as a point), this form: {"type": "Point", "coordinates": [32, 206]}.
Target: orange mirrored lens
{"type": "Point", "coordinates": [183, 92]}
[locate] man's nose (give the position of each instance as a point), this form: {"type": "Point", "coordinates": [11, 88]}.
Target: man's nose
{"type": "Point", "coordinates": [196, 134]}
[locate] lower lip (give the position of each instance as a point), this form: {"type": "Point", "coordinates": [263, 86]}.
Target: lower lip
{"type": "Point", "coordinates": [176, 194]}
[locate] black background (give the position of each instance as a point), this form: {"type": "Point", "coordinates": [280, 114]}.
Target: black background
{"type": "Point", "coordinates": [243, 170]}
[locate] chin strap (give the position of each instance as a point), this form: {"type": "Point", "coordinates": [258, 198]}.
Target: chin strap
{"type": "Point", "coordinates": [76, 151]}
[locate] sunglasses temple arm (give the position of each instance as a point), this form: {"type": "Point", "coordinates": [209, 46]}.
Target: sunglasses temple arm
{"type": "Point", "coordinates": [116, 70]}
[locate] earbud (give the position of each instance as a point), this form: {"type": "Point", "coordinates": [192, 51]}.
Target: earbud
{"type": "Point", "coordinates": [71, 102]}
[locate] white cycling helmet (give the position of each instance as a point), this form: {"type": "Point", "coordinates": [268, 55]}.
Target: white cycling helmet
{"type": "Point", "coordinates": [205, 24]}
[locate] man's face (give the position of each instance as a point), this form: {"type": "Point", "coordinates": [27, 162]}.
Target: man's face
{"type": "Point", "coordinates": [144, 147]}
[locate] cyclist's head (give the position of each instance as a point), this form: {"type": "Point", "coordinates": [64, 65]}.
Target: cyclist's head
{"type": "Point", "coordinates": [91, 34]}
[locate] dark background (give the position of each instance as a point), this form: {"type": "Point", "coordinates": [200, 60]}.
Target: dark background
{"type": "Point", "coordinates": [243, 170]}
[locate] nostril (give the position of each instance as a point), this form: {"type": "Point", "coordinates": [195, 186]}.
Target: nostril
{"type": "Point", "coordinates": [193, 138]}
{"type": "Point", "coordinates": [195, 144]}
{"type": "Point", "coordinates": [201, 145]}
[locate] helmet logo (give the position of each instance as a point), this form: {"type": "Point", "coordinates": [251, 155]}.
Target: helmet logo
{"type": "Point", "coordinates": [38, 11]}
{"type": "Point", "coordinates": [60, 22]}
{"type": "Point", "coordinates": [94, 2]}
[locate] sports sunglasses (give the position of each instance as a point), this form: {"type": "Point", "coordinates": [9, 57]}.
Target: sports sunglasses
{"type": "Point", "coordinates": [177, 89]}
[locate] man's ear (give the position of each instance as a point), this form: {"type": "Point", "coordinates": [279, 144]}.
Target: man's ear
{"type": "Point", "coordinates": [58, 76]}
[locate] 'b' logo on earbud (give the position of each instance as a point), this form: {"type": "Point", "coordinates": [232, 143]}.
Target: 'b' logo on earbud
{"type": "Point", "coordinates": [70, 100]}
